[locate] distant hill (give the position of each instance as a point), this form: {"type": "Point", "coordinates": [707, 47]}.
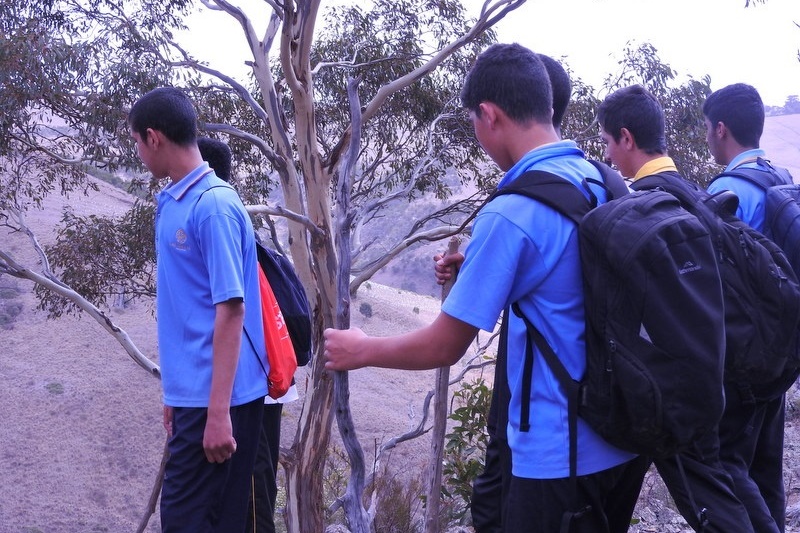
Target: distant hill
{"type": "Point", "coordinates": [781, 140]}
{"type": "Point", "coordinates": [413, 270]}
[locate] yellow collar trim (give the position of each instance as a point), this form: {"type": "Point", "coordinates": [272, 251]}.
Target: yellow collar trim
{"type": "Point", "coordinates": [654, 166]}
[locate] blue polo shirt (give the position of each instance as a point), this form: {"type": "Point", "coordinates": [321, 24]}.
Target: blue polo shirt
{"type": "Point", "coordinates": [751, 196]}
{"type": "Point", "coordinates": [206, 255]}
{"type": "Point", "coordinates": [523, 251]}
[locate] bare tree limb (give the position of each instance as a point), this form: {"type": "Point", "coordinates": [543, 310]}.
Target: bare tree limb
{"type": "Point", "coordinates": [357, 517]}
{"type": "Point", "coordinates": [255, 140]}
{"type": "Point", "coordinates": [490, 14]}
{"type": "Point", "coordinates": [442, 387]}
{"type": "Point", "coordinates": [57, 157]}
{"type": "Point", "coordinates": [423, 164]}
{"type": "Point", "coordinates": [280, 211]}
{"type": "Point", "coordinates": [431, 235]}
{"type": "Point", "coordinates": [156, 492]}
{"type": "Point", "coordinates": [9, 265]}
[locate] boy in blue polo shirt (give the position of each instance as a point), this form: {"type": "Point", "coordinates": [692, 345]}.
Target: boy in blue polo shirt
{"type": "Point", "coordinates": [207, 292]}
{"type": "Point", "coordinates": [752, 428]}
{"type": "Point", "coordinates": [521, 251]}
{"type": "Point", "coordinates": [488, 489]}
{"type": "Point", "coordinates": [264, 488]}
{"type": "Point", "coordinates": [633, 130]}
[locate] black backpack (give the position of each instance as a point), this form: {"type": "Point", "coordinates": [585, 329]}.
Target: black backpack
{"type": "Point", "coordinates": [291, 299]}
{"type": "Point", "coordinates": [781, 205]}
{"type": "Point", "coordinates": [654, 328]}
{"type": "Point", "coordinates": [615, 188]}
{"type": "Point", "coordinates": [761, 291]}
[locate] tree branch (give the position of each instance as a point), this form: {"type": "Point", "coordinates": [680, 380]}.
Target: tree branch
{"type": "Point", "coordinates": [357, 517]}
{"type": "Point", "coordinates": [280, 211]}
{"type": "Point", "coordinates": [57, 157]}
{"type": "Point", "coordinates": [9, 265]}
{"type": "Point", "coordinates": [433, 234]}
{"type": "Point", "coordinates": [255, 140]}
{"type": "Point", "coordinates": [490, 14]}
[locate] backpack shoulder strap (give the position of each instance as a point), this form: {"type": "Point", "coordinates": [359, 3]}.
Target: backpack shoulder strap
{"type": "Point", "coordinates": [687, 193]}
{"type": "Point", "coordinates": [759, 178]}
{"type": "Point", "coordinates": [571, 390]}
{"type": "Point", "coordinates": [764, 175]}
{"type": "Point", "coordinates": [663, 180]}
{"type": "Point", "coordinates": [552, 190]}
{"type": "Point", "coordinates": [612, 180]}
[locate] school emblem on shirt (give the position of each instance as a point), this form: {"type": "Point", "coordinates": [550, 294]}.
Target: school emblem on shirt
{"type": "Point", "coordinates": [180, 240]}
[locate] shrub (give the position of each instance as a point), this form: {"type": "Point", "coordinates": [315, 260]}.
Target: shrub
{"type": "Point", "coordinates": [399, 504]}
{"type": "Point", "coordinates": [465, 445]}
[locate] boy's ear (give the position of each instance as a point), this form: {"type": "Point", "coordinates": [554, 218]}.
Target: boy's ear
{"type": "Point", "coordinates": [488, 112]}
{"type": "Point", "coordinates": [721, 130]}
{"type": "Point", "coordinates": [154, 138]}
{"type": "Point", "coordinates": [627, 139]}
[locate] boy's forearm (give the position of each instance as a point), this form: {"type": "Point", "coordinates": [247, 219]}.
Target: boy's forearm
{"type": "Point", "coordinates": [440, 344]}
{"type": "Point", "coordinates": [228, 325]}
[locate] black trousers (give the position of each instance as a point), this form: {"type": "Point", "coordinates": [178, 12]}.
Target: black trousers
{"type": "Point", "coordinates": [490, 486]}
{"type": "Point", "coordinates": [264, 484]}
{"type": "Point", "coordinates": [751, 450]}
{"type": "Point", "coordinates": [202, 497]}
{"type": "Point", "coordinates": [539, 505]}
{"type": "Point", "coordinates": [704, 484]}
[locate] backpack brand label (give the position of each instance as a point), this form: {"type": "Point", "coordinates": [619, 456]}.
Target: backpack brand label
{"type": "Point", "coordinates": [689, 266]}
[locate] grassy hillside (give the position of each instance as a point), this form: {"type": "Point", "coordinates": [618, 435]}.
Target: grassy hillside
{"type": "Point", "coordinates": [413, 270]}
{"type": "Point", "coordinates": [781, 140]}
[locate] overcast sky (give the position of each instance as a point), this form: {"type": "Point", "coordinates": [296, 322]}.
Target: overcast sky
{"type": "Point", "coordinates": [721, 38]}
{"type": "Point", "coordinates": [757, 45]}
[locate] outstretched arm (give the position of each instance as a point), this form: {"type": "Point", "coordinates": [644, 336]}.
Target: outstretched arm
{"type": "Point", "coordinates": [441, 343]}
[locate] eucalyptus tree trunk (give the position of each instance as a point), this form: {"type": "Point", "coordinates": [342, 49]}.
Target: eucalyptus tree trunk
{"type": "Point", "coordinates": [320, 250]}
{"type": "Point", "coordinates": [313, 251]}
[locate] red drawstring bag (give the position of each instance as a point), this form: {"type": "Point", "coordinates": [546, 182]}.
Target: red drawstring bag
{"type": "Point", "coordinates": [280, 352]}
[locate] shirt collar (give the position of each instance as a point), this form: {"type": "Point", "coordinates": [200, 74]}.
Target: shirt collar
{"type": "Point", "coordinates": [539, 154]}
{"type": "Point", "coordinates": [748, 156]}
{"type": "Point", "coordinates": [656, 166]}
{"type": "Point", "coordinates": [179, 189]}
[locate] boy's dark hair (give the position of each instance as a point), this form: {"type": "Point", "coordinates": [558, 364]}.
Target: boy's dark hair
{"type": "Point", "coordinates": [218, 156]}
{"type": "Point", "coordinates": [638, 111]}
{"type": "Point", "coordinates": [513, 78]}
{"type": "Point", "coordinates": [561, 86]}
{"type": "Point", "coordinates": [740, 108]}
{"type": "Point", "coordinates": [167, 110]}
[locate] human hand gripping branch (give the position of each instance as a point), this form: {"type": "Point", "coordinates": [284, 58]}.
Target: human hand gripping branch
{"type": "Point", "coordinates": [342, 348]}
{"type": "Point", "coordinates": [447, 266]}
{"type": "Point", "coordinates": [439, 344]}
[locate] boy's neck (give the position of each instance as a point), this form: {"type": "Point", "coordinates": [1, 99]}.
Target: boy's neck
{"type": "Point", "coordinates": [185, 160]}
